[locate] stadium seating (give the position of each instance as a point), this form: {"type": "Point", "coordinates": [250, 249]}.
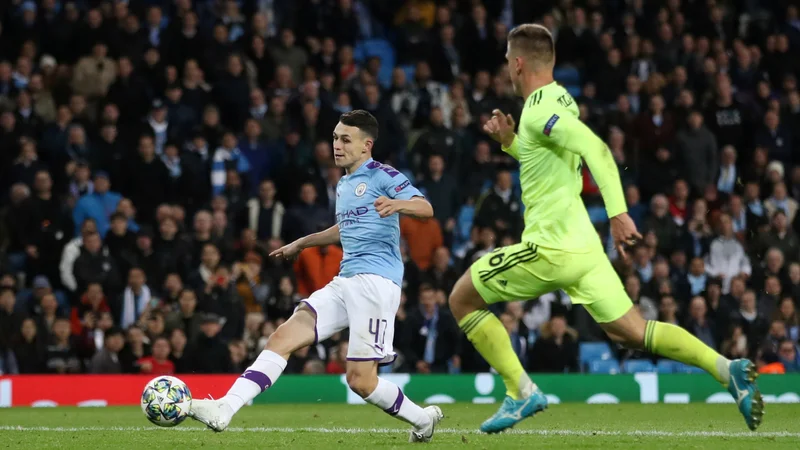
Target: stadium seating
{"type": "Point", "coordinates": [685, 368]}
{"type": "Point", "coordinates": [604, 366]}
{"type": "Point", "coordinates": [638, 365]}
{"type": "Point", "coordinates": [667, 366]}
{"type": "Point", "coordinates": [381, 48]}
{"type": "Point", "coordinates": [590, 351]}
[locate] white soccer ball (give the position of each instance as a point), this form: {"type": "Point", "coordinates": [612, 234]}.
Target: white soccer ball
{"type": "Point", "coordinates": [166, 401]}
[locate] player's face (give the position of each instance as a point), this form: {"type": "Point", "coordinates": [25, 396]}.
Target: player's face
{"type": "Point", "coordinates": [351, 147]}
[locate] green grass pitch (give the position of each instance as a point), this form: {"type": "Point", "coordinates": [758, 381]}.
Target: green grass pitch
{"type": "Point", "coordinates": [328, 426]}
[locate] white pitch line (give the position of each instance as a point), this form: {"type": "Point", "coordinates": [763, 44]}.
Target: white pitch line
{"type": "Point", "coordinates": [633, 433]}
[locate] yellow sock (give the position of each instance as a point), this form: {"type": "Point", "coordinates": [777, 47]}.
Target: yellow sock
{"type": "Point", "coordinates": [490, 338]}
{"type": "Point", "coordinates": [678, 344]}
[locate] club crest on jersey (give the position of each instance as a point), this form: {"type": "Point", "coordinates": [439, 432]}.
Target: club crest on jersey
{"type": "Point", "coordinates": [548, 127]}
{"type": "Point", "coordinates": [361, 189]}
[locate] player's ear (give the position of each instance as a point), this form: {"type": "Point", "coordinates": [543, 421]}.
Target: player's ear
{"type": "Point", "coordinates": [368, 143]}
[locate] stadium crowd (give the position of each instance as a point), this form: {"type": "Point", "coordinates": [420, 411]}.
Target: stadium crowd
{"type": "Point", "coordinates": [154, 152]}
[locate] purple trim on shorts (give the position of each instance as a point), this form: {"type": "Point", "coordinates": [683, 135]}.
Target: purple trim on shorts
{"type": "Point", "coordinates": [316, 335]}
{"type": "Point", "coordinates": [387, 363]}
{"type": "Point", "coordinates": [390, 362]}
{"type": "Point", "coordinates": [259, 378]}
{"type": "Point", "coordinates": [395, 408]}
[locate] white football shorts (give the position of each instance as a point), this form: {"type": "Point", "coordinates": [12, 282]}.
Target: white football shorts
{"type": "Point", "coordinates": [365, 303]}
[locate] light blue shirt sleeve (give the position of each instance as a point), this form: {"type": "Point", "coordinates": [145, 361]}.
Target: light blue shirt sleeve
{"type": "Point", "coordinates": [397, 186]}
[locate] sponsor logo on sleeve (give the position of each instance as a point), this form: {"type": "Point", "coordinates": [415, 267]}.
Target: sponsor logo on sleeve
{"type": "Point", "coordinates": [548, 127]}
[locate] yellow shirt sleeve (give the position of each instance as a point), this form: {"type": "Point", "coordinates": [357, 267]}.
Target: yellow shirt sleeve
{"type": "Point", "coordinates": [569, 133]}
{"type": "Point", "coordinates": [513, 150]}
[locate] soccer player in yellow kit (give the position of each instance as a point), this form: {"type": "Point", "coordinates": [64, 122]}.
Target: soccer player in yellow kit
{"type": "Point", "coordinates": [560, 248]}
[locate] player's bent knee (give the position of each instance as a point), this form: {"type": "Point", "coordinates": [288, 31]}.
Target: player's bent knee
{"type": "Point", "coordinates": [362, 382]}
{"type": "Point", "coordinates": [294, 334]}
{"type": "Point", "coordinates": [465, 298]}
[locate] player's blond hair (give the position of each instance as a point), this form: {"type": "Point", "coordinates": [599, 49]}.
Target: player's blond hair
{"type": "Point", "coordinates": [533, 42]}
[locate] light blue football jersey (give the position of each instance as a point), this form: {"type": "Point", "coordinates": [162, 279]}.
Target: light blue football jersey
{"type": "Point", "coordinates": [371, 244]}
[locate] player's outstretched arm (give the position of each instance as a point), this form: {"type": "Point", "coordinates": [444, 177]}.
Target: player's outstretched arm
{"type": "Point", "coordinates": [574, 136]}
{"type": "Point", "coordinates": [326, 237]}
{"type": "Point", "coordinates": [415, 206]}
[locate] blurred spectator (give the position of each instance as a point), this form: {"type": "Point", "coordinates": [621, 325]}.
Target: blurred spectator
{"type": "Point", "coordinates": [556, 350]}
{"type": "Point", "coordinates": [97, 205]}
{"type": "Point", "coordinates": [727, 258]}
{"type": "Point", "coordinates": [222, 115]}
{"type": "Point", "coordinates": [434, 335]}
{"type": "Point", "coordinates": [106, 360]}
{"type": "Point", "coordinates": [315, 267]}
{"type": "Point", "coordinates": [158, 363]}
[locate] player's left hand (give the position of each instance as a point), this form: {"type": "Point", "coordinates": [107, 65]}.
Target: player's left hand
{"type": "Point", "coordinates": [386, 206]}
{"type": "Point", "coordinates": [624, 232]}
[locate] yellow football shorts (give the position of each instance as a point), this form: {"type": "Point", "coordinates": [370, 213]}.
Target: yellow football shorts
{"type": "Point", "coordinates": [525, 271]}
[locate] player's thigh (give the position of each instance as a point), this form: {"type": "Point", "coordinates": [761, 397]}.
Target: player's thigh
{"type": "Point", "coordinates": [517, 272]}
{"type": "Point", "coordinates": [329, 308]}
{"type": "Point", "coordinates": [371, 303]}
{"type": "Point", "coordinates": [600, 290]}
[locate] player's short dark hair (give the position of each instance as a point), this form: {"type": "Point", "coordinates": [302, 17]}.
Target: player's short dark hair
{"type": "Point", "coordinates": [362, 120]}
{"type": "Point", "coordinates": [533, 40]}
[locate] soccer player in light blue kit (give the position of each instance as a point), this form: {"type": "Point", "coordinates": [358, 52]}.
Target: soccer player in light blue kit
{"type": "Point", "coordinates": [364, 296]}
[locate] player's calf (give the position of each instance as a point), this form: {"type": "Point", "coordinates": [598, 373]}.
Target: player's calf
{"type": "Point", "coordinates": [295, 333]}
{"type": "Point", "coordinates": [362, 377]}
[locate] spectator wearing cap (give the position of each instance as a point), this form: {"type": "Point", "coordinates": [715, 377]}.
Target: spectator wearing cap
{"type": "Point", "coordinates": [98, 205]}
{"type": "Point", "coordinates": [94, 73]}
{"type": "Point", "coordinates": [147, 180]}
{"type": "Point", "coordinates": [30, 300]}
{"type": "Point", "coordinates": [180, 115]}
{"type": "Point", "coordinates": [81, 181]}
{"type": "Point", "coordinates": [208, 353]}
{"type": "Point", "coordinates": [157, 125]}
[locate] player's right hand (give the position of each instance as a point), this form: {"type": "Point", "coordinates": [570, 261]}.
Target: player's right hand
{"type": "Point", "coordinates": [288, 251]}
{"type": "Point", "coordinates": [500, 127]}
{"type": "Point", "coordinates": [624, 232]}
